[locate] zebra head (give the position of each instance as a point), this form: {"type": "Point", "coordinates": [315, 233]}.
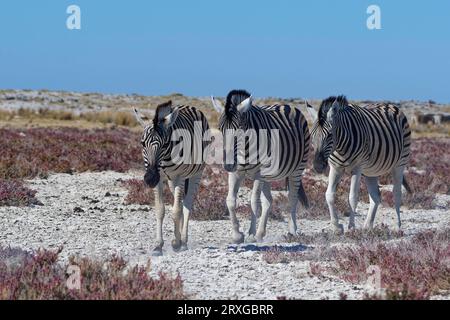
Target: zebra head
{"type": "Point", "coordinates": [232, 119]}
{"type": "Point", "coordinates": [155, 139]}
{"type": "Point", "coordinates": [323, 130]}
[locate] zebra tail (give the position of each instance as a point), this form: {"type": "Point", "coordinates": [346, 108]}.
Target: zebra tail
{"type": "Point", "coordinates": [302, 196]}
{"type": "Point", "coordinates": [406, 185]}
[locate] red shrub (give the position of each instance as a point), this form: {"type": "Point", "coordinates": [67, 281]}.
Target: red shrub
{"type": "Point", "coordinates": [14, 193]}
{"type": "Point", "coordinates": [38, 151]}
{"type": "Point", "coordinates": [38, 276]}
{"type": "Point", "coordinates": [414, 269]}
{"type": "Point", "coordinates": [378, 233]}
{"type": "Point", "coordinates": [139, 193]}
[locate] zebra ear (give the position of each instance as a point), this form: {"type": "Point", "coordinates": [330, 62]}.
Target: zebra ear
{"type": "Point", "coordinates": [140, 118]}
{"type": "Point", "coordinates": [218, 106]}
{"type": "Point", "coordinates": [312, 112]}
{"type": "Point", "coordinates": [245, 105]}
{"type": "Point", "coordinates": [170, 119]}
{"type": "Point", "coordinates": [332, 110]}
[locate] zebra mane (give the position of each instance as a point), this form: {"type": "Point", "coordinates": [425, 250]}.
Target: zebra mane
{"type": "Point", "coordinates": [162, 111]}
{"type": "Point", "coordinates": [234, 98]}
{"type": "Point", "coordinates": [326, 105]}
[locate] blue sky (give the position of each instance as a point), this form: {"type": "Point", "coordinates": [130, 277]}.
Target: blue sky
{"type": "Point", "coordinates": [272, 48]}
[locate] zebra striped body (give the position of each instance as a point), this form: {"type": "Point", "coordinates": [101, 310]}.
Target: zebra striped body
{"type": "Point", "coordinates": [291, 146]}
{"type": "Point", "coordinates": [170, 126]}
{"type": "Point", "coordinates": [293, 143]}
{"type": "Point", "coordinates": [170, 169]}
{"type": "Point", "coordinates": [372, 141]}
{"type": "Point", "coordinates": [376, 138]}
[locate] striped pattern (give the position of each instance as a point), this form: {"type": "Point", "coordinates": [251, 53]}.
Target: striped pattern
{"type": "Point", "coordinates": [165, 158]}
{"type": "Point", "coordinates": [293, 133]}
{"type": "Point", "coordinates": [154, 139]}
{"type": "Point", "coordinates": [290, 162]}
{"type": "Point", "coordinates": [376, 137]}
{"type": "Point", "coordinates": [370, 141]}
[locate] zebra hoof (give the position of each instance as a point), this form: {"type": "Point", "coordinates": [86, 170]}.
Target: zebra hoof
{"type": "Point", "coordinates": [184, 247]}
{"type": "Point", "coordinates": [238, 238]}
{"type": "Point", "coordinates": [338, 229]}
{"type": "Point", "coordinates": [157, 252]}
{"type": "Point", "coordinates": [250, 239]}
{"type": "Point", "coordinates": [260, 237]}
{"type": "Point", "coordinates": [351, 226]}
{"type": "Point", "coordinates": [368, 227]}
{"type": "Point", "coordinates": [176, 244]}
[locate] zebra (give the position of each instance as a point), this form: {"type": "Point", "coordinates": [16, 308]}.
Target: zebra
{"type": "Point", "coordinates": [183, 178]}
{"type": "Point", "coordinates": [240, 114]}
{"type": "Point", "coordinates": [372, 141]}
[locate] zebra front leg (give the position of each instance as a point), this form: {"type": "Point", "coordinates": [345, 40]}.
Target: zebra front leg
{"type": "Point", "coordinates": [266, 209]}
{"type": "Point", "coordinates": [255, 209]}
{"type": "Point", "coordinates": [176, 213]}
{"type": "Point", "coordinates": [397, 191]}
{"type": "Point", "coordinates": [160, 211]}
{"type": "Point", "coordinates": [293, 202]}
{"type": "Point", "coordinates": [353, 197]}
{"type": "Point", "coordinates": [333, 181]}
{"type": "Point", "coordinates": [234, 181]}
{"type": "Point", "coordinates": [190, 193]}
{"type": "Point", "coordinates": [375, 199]}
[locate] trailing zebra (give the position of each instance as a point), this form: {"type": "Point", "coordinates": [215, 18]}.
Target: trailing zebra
{"type": "Point", "coordinates": [239, 118]}
{"type": "Point", "coordinates": [183, 177]}
{"type": "Point", "coordinates": [371, 140]}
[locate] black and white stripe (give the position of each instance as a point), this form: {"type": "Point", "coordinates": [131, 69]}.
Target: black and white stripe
{"type": "Point", "coordinates": [371, 140]}
{"type": "Point", "coordinates": [183, 177]}
{"type": "Point", "coordinates": [239, 113]}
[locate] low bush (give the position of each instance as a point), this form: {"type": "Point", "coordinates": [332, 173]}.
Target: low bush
{"type": "Point", "coordinates": [37, 152]}
{"type": "Point", "coordinates": [410, 269]}
{"type": "Point", "coordinates": [39, 276]}
{"type": "Point", "coordinates": [14, 193]}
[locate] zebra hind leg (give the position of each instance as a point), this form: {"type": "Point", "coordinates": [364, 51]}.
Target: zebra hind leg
{"type": "Point", "coordinates": [176, 213]}
{"type": "Point", "coordinates": [191, 188]}
{"type": "Point", "coordinates": [375, 199]}
{"type": "Point", "coordinates": [397, 175]}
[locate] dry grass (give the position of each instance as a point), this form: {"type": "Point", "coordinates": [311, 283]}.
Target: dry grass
{"type": "Point", "coordinates": [42, 116]}
{"type": "Point", "coordinates": [430, 130]}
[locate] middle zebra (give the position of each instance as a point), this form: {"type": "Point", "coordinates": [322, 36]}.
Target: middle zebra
{"type": "Point", "coordinates": [252, 136]}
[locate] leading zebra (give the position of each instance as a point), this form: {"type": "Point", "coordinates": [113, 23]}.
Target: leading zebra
{"type": "Point", "coordinates": [371, 141]}
{"type": "Point", "coordinates": [183, 177]}
{"type": "Point", "coordinates": [239, 118]}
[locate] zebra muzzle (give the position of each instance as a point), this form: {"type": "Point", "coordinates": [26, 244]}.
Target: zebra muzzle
{"type": "Point", "coordinates": [320, 163]}
{"type": "Point", "coordinates": [151, 178]}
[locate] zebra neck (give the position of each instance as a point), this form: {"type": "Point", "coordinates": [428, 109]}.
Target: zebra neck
{"type": "Point", "coordinates": [349, 133]}
{"type": "Point", "coordinates": [167, 146]}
